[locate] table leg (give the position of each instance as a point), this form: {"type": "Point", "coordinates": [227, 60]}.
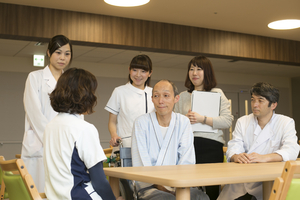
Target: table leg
{"type": "Point", "coordinates": [183, 193]}
{"type": "Point", "coordinates": [267, 188]}
{"type": "Point", "coordinates": [114, 184]}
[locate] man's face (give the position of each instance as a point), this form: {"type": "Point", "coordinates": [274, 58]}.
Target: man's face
{"type": "Point", "coordinates": [163, 98]}
{"type": "Point", "coordinates": [260, 106]}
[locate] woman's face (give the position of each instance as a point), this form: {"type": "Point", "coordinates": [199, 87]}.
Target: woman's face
{"type": "Point", "coordinates": [139, 77]}
{"type": "Point", "coordinates": [196, 75]}
{"type": "Point", "coordinates": [60, 58]}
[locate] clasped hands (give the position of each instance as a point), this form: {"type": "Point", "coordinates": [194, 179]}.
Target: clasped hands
{"type": "Point", "coordinates": [245, 158]}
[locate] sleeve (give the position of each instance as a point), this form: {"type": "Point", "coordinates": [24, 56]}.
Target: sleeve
{"type": "Point", "coordinates": [186, 150]}
{"type": "Point", "coordinates": [236, 145]}
{"type": "Point", "coordinates": [113, 104]}
{"type": "Point", "coordinates": [140, 155]}
{"type": "Point", "coordinates": [89, 148]}
{"type": "Point", "coordinates": [33, 106]}
{"type": "Point", "coordinates": [289, 149]}
{"type": "Point", "coordinates": [225, 119]}
{"type": "Point", "coordinates": [100, 183]}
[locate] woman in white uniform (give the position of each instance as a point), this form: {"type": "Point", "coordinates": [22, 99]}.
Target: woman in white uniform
{"type": "Point", "coordinates": [73, 156]}
{"type": "Point", "coordinates": [129, 101]}
{"type": "Point", "coordinates": [38, 111]}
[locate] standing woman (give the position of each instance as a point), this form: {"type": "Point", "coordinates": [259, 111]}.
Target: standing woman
{"type": "Point", "coordinates": [129, 101]}
{"type": "Point", "coordinates": [208, 146]}
{"type": "Point", "coordinates": [38, 111]}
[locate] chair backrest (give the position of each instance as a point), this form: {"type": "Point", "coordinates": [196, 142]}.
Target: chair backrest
{"type": "Point", "coordinates": [18, 181]}
{"type": "Point", "coordinates": [286, 187]}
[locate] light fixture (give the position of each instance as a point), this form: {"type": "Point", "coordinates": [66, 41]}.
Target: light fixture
{"type": "Point", "coordinates": [126, 3]}
{"type": "Point", "coordinates": [285, 24]}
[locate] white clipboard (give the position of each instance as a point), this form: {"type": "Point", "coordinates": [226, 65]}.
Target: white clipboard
{"type": "Point", "coordinates": [207, 104]}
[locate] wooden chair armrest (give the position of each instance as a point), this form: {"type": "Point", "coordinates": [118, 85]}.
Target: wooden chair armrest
{"type": "Point", "coordinates": [276, 189]}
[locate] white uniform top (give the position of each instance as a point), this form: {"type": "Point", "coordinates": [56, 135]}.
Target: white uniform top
{"type": "Point", "coordinates": [71, 146]}
{"type": "Point", "coordinates": [128, 103]}
{"type": "Point", "coordinates": [278, 136]}
{"type": "Point", "coordinates": [38, 112]}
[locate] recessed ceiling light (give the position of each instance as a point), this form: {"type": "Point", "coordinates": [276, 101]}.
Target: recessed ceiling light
{"type": "Point", "coordinates": [285, 24]}
{"type": "Point", "coordinates": [127, 3]}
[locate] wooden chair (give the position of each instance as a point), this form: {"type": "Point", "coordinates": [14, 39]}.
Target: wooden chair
{"type": "Point", "coordinates": [17, 181]}
{"type": "Point", "coordinates": [286, 187]}
{"type": "Point", "coordinates": [108, 151]}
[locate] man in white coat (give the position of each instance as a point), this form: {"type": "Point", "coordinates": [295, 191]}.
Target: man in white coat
{"type": "Point", "coordinates": [163, 138]}
{"type": "Point", "coordinates": [262, 136]}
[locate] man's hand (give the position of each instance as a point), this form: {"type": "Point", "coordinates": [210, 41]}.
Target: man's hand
{"type": "Point", "coordinates": [255, 158]}
{"type": "Point", "coordinates": [240, 158]}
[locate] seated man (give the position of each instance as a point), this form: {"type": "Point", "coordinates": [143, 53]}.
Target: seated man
{"type": "Point", "coordinates": [262, 136]}
{"type": "Point", "coordinates": [163, 138]}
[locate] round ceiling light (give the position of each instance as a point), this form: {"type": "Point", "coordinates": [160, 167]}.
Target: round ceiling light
{"type": "Point", "coordinates": [285, 24]}
{"type": "Point", "coordinates": [127, 3]}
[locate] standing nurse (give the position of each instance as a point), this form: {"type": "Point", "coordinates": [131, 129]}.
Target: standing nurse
{"type": "Point", "coordinates": [129, 101]}
{"type": "Point", "coordinates": [38, 111]}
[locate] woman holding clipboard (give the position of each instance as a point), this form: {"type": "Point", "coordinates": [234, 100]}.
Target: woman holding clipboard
{"type": "Point", "coordinates": [208, 146]}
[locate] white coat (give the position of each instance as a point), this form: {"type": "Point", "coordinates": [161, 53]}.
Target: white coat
{"type": "Point", "coordinates": [38, 112]}
{"type": "Point", "coordinates": [278, 136]}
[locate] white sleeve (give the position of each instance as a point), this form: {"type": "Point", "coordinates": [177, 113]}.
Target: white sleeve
{"type": "Point", "coordinates": [289, 149]}
{"type": "Point", "coordinates": [139, 151]}
{"type": "Point", "coordinates": [186, 148]}
{"type": "Point", "coordinates": [89, 148]}
{"type": "Point", "coordinates": [33, 106]}
{"type": "Point", "coordinates": [113, 104]}
{"type": "Point", "coordinates": [236, 145]}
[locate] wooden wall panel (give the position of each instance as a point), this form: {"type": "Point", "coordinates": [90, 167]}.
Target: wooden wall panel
{"type": "Point", "coordinates": [25, 22]}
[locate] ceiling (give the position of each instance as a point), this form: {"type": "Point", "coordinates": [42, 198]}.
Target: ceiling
{"type": "Point", "coordinates": [243, 16]}
{"type": "Point", "coordinates": [240, 16]}
{"type": "Point", "coordinates": [18, 48]}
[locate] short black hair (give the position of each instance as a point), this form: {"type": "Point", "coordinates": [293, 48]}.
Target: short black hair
{"type": "Point", "coordinates": [75, 92]}
{"type": "Point", "coordinates": [141, 62]}
{"type": "Point", "coordinates": [266, 90]}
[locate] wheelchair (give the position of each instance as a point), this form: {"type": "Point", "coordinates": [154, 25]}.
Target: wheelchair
{"type": "Point", "coordinates": [122, 158]}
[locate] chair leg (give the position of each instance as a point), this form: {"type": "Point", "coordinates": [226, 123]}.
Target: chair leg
{"type": "Point", "coordinates": [2, 190]}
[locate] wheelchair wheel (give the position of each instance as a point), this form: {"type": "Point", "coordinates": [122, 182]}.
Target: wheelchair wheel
{"type": "Point", "coordinates": [125, 190]}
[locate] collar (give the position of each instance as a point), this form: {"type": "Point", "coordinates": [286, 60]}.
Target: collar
{"type": "Point", "coordinates": [47, 75]}
{"type": "Point", "coordinates": [136, 90]}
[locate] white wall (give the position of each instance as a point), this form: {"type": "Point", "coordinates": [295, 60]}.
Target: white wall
{"type": "Point", "coordinates": [13, 73]}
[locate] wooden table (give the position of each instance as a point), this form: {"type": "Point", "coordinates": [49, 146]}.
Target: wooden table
{"type": "Point", "coordinates": [185, 176]}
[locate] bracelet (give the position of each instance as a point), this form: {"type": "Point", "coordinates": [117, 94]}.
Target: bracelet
{"type": "Point", "coordinates": [204, 121]}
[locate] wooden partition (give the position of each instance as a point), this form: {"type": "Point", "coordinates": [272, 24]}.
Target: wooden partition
{"type": "Point", "coordinates": [32, 23]}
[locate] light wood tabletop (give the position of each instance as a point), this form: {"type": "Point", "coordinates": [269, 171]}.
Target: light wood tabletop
{"type": "Point", "coordinates": [185, 176]}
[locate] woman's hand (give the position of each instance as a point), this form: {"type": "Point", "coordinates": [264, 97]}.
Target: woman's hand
{"type": "Point", "coordinates": [120, 198]}
{"type": "Point", "coordinates": [113, 142]}
{"type": "Point", "coordinates": [195, 117]}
